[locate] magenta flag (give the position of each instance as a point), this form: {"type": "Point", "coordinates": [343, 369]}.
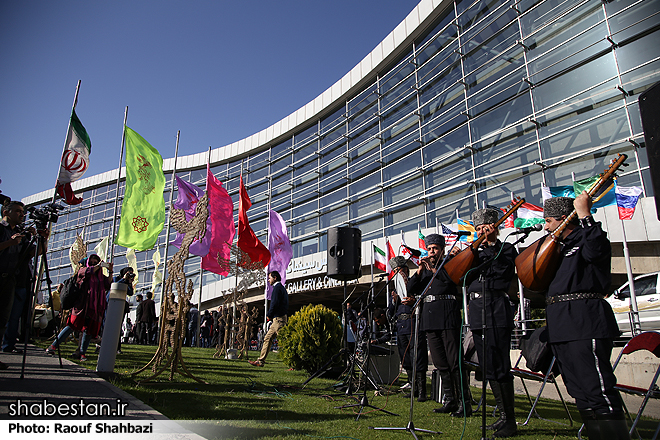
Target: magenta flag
{"type": "Point", "coordinates": [221, 215]}
{"type": "Point", "coordinates": [187, 199]}
{"type": "Point", "coordinates": [279, 247]}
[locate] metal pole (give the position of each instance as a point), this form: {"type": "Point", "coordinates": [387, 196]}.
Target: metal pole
{"type": "Point", "coordinates": [521, 294]}
{"type": "Point", "coordinates": [121, 159]}
{"type": "Point", "coordinates": [167, 238]}
{"type": "Point", "coordinates": [167, 230]}
{"type": "Point", "coordinates": [199, 301]}
{"type": "Point", "coordinates": [636, 326]}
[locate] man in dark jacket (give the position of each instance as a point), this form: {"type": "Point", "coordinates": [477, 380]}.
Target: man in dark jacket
{"type": "Point", "coordinates": [493, 281]}
{"type": "Point", "coordinates": [581, 324]}
{"type": "Point", "coordinates": [148, 318]}
{"type": "Point", "coordinates": [401, 308]}
{"type": "Point", "coordinates": [440, 319]}
{"type": "Point", "coordinates": [277, 313]}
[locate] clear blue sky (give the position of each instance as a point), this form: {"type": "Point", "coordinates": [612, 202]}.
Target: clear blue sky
{"type": "Point", "coordinates": [219, 71]}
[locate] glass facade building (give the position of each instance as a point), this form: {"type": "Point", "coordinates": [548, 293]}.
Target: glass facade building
{"type": "Point", "coordinates": [463, 104]}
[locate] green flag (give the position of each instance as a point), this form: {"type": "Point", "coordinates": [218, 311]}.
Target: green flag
{"type": "Point", "coordinates": [143, 209]}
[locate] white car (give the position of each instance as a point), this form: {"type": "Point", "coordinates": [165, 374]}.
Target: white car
{"type": "Point", "coordinates": [648, 303]}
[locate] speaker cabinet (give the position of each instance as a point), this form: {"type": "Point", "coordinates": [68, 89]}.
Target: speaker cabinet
{"type": "Point", "coordinates": [649, 108]}
{"type": "Point", "coordinates": [344, 253]}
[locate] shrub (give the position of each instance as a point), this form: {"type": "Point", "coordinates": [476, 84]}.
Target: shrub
{"type": "Point", "coordinates": [311, 337]}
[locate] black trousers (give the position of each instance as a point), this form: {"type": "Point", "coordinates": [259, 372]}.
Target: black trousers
{"type": "Point", "coordinates": [587, 372]}
{"type": "Point", "coordinates": [444, 346]}
{"type": "Point", "coordinates": [406, 344]}
{"type": "Point", "coordinates": [497, 365]}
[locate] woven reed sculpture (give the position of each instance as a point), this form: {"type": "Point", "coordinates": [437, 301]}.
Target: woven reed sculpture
{"type": "Point", "coordinates": [174, 308]}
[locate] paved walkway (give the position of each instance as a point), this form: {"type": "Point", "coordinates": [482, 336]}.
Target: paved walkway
{"type": "Point", "coordinates": [46, 387]}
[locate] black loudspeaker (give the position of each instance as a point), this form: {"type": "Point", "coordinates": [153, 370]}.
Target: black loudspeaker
{"type": "Point", "coordinates": [344, 253]}
{"type": "Point", "coordinates": [649, 108]}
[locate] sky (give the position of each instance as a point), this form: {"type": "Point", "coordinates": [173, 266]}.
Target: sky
{"type": "Point", "coordinates": [218, 71]}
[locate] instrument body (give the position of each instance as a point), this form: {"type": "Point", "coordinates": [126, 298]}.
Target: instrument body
{"type": "Point", "coordinates": [538, 264]}
{"type": "Point", "coordinates": [462, 262]}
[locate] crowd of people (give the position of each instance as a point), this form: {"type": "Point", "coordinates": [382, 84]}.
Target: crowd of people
{"type": "Point", "coordinates": [581, 325]}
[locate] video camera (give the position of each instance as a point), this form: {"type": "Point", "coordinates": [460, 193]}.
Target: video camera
{"type": "Point", "coordinates": [47, 213]}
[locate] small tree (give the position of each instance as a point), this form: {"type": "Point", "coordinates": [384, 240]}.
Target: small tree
{"type": "Point", "coordinates": [311, 337]}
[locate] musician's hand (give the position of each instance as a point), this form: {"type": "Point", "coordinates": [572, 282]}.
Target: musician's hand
{"type": "Point", "coordinates": [583, 205]}
{"type": "Point", "coordinates": [455, 250]}
{"type": "Point", "coordinates": [408, 300]}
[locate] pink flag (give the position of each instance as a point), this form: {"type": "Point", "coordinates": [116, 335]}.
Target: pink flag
{"type": "Point", "coordinates": [279, 247]}
{"type": "Point", "coordinates": [221, 213]}
{"type": "Point", "coordinates": [187, 198]}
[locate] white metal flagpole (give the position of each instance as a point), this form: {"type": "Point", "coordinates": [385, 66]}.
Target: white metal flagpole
{"type": "Point", "coordinates": [521, 294]}
{"type": "Point", "coordinates": [167, 240]}
{"type": "Point", "coordinates": [635, 324]}
{"type": "Point", "coordinates": [121, 159]}
{"type": "Point", "coordinates": [167, 230]}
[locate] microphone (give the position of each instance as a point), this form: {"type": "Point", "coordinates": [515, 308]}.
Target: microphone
{"type": "Point", "coordinates": [462, 233]}
{"type": "Point", "coordinates": [536, 227]}
{"type": "Point", "coordinates": [414, 252]}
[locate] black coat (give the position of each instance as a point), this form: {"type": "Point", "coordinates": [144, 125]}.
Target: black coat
{"type": "Point", "coordinates": [497, 280]}
{"type": "Point", "coordinates": [440, 314]}
{"type": "Point", "coordinates": [585, 267]}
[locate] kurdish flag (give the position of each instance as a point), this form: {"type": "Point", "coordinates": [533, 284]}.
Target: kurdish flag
{"type": "Point", "coordinates": [604, 197]}
{"type": "Point", "coordinates": [528, 215]}
{"type": "Point", "coordinates": [626, 200]}
{"type": "Point", "coordinates": [143, 208]}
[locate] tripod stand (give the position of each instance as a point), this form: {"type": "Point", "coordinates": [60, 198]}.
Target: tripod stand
{"type": "Point", "coordinates": [31, 293]}
{"type": "Point", "coordinates": [410, 427]}
{"type": "Point", "coordinates": [364, 369]}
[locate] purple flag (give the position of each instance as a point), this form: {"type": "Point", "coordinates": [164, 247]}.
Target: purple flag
{"type": "Point", "coordinates": [187, 199]}
{"type": "Point", "coordinates": [279, 247]}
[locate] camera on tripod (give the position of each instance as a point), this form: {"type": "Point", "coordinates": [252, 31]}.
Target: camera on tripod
{"type": "Point", "coordinates": [47, 213]}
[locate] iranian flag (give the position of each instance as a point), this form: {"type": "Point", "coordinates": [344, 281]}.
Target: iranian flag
{"type": "Point", "coordinates": [75, 159]}
{"type": "Point", "coordinates": [380, 259]}
{"type": "Point", "coordinates": [528, 215]}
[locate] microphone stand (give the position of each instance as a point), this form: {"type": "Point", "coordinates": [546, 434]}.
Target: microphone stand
{"type": "Point", "coordinates": [364, 368]}
{"type": "Point", "coordinates": [410, 427]}
{"type": "Point", "coordinates": [484, 327]}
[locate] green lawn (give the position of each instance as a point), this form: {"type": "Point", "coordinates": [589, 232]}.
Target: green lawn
{"type": "Point", "coordinates": [241, 401]}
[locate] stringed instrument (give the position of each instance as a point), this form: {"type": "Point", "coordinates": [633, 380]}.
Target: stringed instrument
{"type": "Point", "coordinates": [458, 266]}
{"type": "Point", "coordinates": [538, 264]}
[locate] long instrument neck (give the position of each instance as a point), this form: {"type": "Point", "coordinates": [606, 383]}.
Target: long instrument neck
{"type": "Point", "coordinates": [594, 189]}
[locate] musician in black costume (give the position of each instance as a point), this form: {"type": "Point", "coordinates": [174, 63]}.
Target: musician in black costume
{"type": "Point", "coordinates": [441, 321]}
{"type": "Point", "coordinates": [581, 324]}
{"type": "Point", "coordinates": [401, 307]}
{"type": "Point", "coordinates": [497, 277]}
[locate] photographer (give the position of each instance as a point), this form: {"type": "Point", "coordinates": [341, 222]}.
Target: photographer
{"type": "Point", "coordinates": [87, 314]}
{"type": "Point", "coordinates": [15, 276]}
{"type": "Point", "coordinates": [126, 276]}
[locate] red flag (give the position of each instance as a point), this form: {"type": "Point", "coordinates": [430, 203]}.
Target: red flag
{"type": "Point", "coordinates": [390, 255]}
{"type": "Point", "coordinates": [247, 240]}
{"type": "Point", "coordinates": [221, 214]}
